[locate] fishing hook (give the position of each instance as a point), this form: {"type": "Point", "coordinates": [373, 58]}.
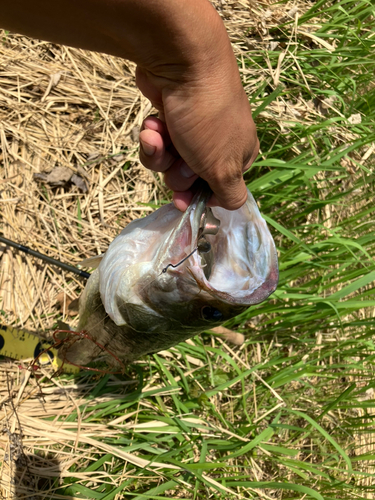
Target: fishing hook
{"type": "Point", "coordinates": [179, 263]}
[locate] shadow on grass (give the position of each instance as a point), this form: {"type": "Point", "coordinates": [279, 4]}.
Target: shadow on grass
{"type": "Point", "coordinates": [35, 476]}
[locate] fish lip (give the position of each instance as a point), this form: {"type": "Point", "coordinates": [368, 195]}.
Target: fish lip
{"type": "Point", "coordinates": [265, 283]}
{"type": "Point", "coordinates": [189, 222]}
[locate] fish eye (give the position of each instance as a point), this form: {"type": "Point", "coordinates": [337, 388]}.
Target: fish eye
{"type": "Point", "coordinates": [211, 313]}
{"type": "Point", "coordinates": [204, 246]}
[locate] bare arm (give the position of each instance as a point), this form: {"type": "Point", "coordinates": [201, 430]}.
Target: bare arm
{"type": "Point", "coordinates": [186, 67]}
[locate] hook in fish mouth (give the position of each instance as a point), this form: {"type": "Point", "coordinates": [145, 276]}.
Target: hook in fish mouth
{"type": "Point", "coordinates": [175, 263]}
{"type": "Point", "coordinates": [230, 255]}
{"type": "Point", "coordinates": [209, 224]}
{"type": "Point", "coordinates": [188, 234]}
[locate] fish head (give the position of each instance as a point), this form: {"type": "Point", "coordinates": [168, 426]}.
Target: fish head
{"type": "Point", "coordinates": [190, 271]}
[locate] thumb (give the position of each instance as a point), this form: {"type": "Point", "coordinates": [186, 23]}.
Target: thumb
{"type": "Point", "coordinates": [229, 193]}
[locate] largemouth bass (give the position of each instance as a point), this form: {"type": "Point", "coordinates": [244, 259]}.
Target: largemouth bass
{"type": "Point", "coordinates": [171, 275]}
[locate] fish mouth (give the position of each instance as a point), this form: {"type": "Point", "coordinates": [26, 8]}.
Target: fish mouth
{"type": "Point", "coordinates": [188, 236]}
{"type": "Point", "coordinates": [203, 265]}
{"type": "Point", "coordinates": [230, 255]}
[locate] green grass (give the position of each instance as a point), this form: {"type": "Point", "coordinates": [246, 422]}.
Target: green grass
{"type": "Point", "coordinates": [282, 416]}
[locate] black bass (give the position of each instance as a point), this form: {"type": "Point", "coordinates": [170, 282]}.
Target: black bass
{"type": "Point", "coordinates": [171, 275]}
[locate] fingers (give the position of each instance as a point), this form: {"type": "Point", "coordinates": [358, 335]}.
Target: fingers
{"type": "Point", "coordinates": [158, 125]}
{"type": "Point", "coordinates": [158, 154]}
{"type": "Point", "coordinates": [154, 142]}
{"type": "Point", "coordinates": [208, 136]}
{"type": "Point", "coordinates": [229, 189]}
{"type": "Point", "coordinates": [230, 195]}
{"type": "Point", "coordinates": [182, 199]}
{"type": "Point", "coordinates": [180, 177]}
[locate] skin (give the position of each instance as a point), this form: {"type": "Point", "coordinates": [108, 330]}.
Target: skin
{"type": "Point", "coordinates": [185, 66]}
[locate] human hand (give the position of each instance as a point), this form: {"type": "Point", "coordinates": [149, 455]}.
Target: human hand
{"type": "Point", "coordinates": [204, 129]}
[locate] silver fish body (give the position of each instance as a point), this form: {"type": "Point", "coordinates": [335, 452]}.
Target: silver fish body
{"type": "Point", "coordinates": [147, 295]}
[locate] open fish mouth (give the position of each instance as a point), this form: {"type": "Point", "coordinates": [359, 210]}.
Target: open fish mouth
{"type": "Point", "coordinates": [204, 265]}
{"type": "Point", "coordinates": [238, 264]}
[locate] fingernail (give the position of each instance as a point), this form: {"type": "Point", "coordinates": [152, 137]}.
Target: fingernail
{"type": "Point", "coordinates": [186, 171]}
{"type": "Point", "coordinates": [148, 149]}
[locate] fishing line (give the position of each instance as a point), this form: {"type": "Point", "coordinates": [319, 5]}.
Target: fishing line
{"type": "Point", "coordinates": [149, 283]}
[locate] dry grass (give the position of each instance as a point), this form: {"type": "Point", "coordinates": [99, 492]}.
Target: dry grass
{"type": "Point", "coordinates": [88, 121]}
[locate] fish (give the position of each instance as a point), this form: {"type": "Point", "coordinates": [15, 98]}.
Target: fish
{"type": "Point", "coordinates": [171, 275]}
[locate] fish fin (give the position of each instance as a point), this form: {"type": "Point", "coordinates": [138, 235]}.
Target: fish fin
{"type": "Point", "coordinates": [92, 262]}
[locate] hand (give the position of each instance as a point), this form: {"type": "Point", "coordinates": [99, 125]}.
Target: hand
{"type": "Point", "coordinates": [205, 129]}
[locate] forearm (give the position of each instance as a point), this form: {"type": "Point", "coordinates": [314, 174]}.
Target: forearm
{"type": "Point", "coordinates": [151, 33]}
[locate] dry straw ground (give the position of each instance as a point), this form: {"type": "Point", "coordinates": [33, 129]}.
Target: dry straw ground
{"type": "Point", "coordinates": [64, 107]}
